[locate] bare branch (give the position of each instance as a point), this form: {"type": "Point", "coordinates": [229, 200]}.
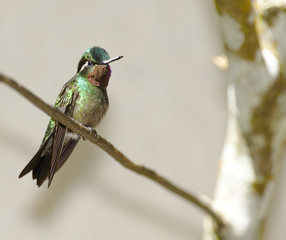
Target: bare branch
{"type": "Point", "coordinates": [110, 149]}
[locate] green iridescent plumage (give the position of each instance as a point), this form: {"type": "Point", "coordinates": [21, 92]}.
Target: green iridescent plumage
{"type": "Point", "coordinates": [84, 98]}
{"type": "Point", "coordinates": [62, 100]}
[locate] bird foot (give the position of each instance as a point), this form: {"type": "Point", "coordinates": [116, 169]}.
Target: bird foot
{"type": "Point", "coordinates": [92, 131]}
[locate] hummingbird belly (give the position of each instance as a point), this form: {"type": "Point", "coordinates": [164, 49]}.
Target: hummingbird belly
{"type": "Point", "coordinates": [91, 106]}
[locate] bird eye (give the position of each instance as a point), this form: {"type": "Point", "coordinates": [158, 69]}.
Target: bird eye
{"type": "Point", "coordinates": [90, 63]}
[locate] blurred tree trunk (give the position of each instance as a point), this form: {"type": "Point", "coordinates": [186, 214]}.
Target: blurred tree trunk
{"type": "Point", "coordinates": [254, 35]}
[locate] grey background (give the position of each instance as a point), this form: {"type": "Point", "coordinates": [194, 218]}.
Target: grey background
{"type": "Point", "coordinates": [167, 111]}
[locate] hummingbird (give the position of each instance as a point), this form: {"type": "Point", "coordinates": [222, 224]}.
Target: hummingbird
{"type": "Point", "coordinates": [84, 98]}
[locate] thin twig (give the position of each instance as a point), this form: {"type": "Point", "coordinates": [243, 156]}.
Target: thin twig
{"type": "Point", "coordinates": [110, 149]}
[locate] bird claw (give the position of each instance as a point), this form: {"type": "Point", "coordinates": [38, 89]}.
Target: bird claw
{"type": "Point", "coordinates": [92, 132]}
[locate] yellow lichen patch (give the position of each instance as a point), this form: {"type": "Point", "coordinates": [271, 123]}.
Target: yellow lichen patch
{"type": "Point", "coordinates": [263, 118]}
{"type": "Point", "coordinates": [250, 45]}
{"type": "Point", "coordinates": [259, 187]}
{"type": "Point", "coordinates": [236, 8]}
{"type": "Point", "coordinates": [242, 12]}
{"type": "Point", "coordinates": [270, 14]}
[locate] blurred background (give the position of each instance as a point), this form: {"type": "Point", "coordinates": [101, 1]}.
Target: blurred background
{"type": "Point", "coordinates": [167, 111]}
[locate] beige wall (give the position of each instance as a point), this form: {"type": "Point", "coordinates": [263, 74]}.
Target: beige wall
{"type": "Point", "coordinates": [167, 111]}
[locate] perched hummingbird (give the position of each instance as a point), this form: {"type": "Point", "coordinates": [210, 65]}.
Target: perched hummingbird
{"type": "Point", "coordinates": [83, 98]}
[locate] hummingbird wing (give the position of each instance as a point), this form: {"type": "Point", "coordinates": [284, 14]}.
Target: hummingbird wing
{"type": "Point", "coordinates": [66, 152]}
{"type": "Point", "coordinates": [58, 143]}
{"type": "Point", "coordinates": [54, 151]}
{"type": "Point", "coordinates": [65, 103]}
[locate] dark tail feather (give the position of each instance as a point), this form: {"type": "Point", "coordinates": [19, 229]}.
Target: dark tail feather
{"type": "Point", "coordinates": [67, 150]}
{"type": "Point", "coordinates": [41, 165]}
{"type": "Point", "coordinates": [41, 170]}
{"type": "Point", "coordinates": [35, 160]}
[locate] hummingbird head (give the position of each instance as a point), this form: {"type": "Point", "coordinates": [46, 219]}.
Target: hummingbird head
{"type": "Point", "coordinates": [94, 64]}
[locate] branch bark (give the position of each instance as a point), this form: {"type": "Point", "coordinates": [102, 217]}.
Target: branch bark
{"type": "Point", "coordinates": [111, 150]}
